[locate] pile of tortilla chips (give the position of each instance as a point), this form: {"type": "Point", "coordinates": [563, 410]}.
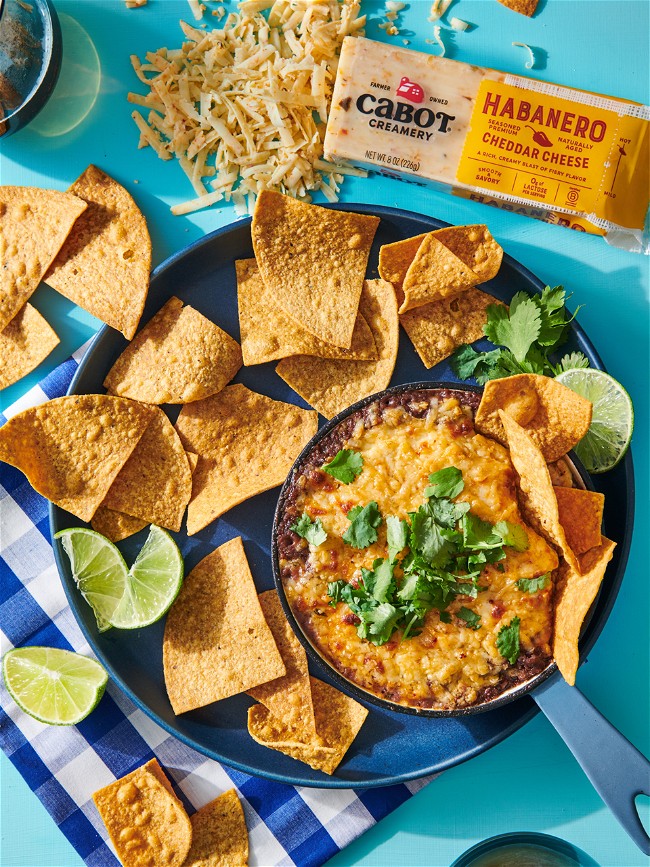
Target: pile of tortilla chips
{"type": "Point", "coordinates": [121, 464]}
{"type": "Point", "coordinates": [435, 276]}
{"type": "Point", "coordinates": [148, 824]}
{"type": "Point", "coordinates": [554, 416]}
{"type": "Point", "coordinates": [540, 421]}
{"type": "Point", "coordinates": [222, 639]}
{"type": "Point", "coordinates": [91, 244]}
{"type": "Point", "coordinates": [304, 299]}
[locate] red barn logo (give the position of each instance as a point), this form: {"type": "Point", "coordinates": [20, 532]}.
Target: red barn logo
{"type": "Point", "coordinates": [410, 90]}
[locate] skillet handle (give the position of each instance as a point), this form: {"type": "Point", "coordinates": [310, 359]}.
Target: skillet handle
{"type": "Point", "coordinates": [616, 769]}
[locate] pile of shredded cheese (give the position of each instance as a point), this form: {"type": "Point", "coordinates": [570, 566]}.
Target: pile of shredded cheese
{"type": "Point", "coordinates": [237, 105]}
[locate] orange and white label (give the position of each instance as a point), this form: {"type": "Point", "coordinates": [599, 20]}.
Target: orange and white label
{"type": "Point", "coordinates": [555, 152]}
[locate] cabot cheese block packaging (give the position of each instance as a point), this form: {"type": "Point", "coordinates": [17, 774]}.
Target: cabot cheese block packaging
{"type": "Point", "coordinates": [563, 156]}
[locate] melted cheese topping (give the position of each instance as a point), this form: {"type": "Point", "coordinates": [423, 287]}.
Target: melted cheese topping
{"type": "Point", "coordinates": [447, 665]}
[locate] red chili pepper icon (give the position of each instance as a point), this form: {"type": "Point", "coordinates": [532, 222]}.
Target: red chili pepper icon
{"type": "Point", "coordinates": [540, 137]}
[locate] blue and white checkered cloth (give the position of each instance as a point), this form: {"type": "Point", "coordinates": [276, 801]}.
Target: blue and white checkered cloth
{"type": "Point", "coordinates": [64, 766]}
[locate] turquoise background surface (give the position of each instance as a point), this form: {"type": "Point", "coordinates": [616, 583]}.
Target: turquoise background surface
{"type": "Point", "coordinates": [531, 781]}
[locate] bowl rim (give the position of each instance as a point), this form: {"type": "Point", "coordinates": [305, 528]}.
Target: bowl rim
{"type": "Point", "coordinates": [550, 842]}
{"type": "Point", "coordinates": [50, 67]}
{"type": "Point", "coordinates": [314, 653]}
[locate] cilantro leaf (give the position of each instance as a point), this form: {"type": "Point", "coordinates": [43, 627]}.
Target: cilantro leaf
{"type": "Point", "coordinates": [445, 483]}
{"type": "Point", "coordinates": [312, 531]}
{"type": "Point", "coordinates": [428, 539]}
{"type": "Point", "coordinates": [571, 361]}
{"type": "Point", "coordinates": [445, 617]}
{"type": "Point", "coordinates": [466, 361]}
{"type": "Point", "coordinates": [517, 328]}
{"type": "Point", "coordinates": [382, 621]}
{"type": "Point", "coordinates": [508, 641]}
{"type": "Point", "coordinates": [446, 513]}
{"type": "Point", "coordinates": [344, 466]}
{"type": "Point", "coordinates": [379, 581]}
{"type": "Point", "coordinates": [478, 534]}
{"type": "Point", "coordinates": [363, 528]}
{"type": "Point", "coordinates": [532, 585]}
{"type": "Point", "coordinates": [513, 535]}
{"type": "Point", "coordinates": [554, 326]}
{"type": "Point", "coordinates": [397, 535]}
{"type": "Point", "coordinates": [471, 618]}
{"type": "Point", "coordinates": [463, 589]}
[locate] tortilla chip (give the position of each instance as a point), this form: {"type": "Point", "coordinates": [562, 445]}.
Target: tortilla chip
{"type": "Point", "coordinates": [313, 261]}
{"type": "Point", "coordinates": [115, 525]}
{"type": "Point", "coordinates": [288, 698]}
{"type": "Point", "coordinates": [578, 593]}
{"type": "Point", "coordinates": [268, 333]}
{"type": "Point", "coordinates": [104, 265]}
{"type": "Point", "coordinates": [330, 386]}
{"type": "Point", "coordinates": [581, 515]}
{"type": "Point", "coordinates": [219, 834]}
{"type": "Point", "coordinates": [155, 484]}
{"type": "Point", "coordinates": [34, 224]}
{"type": "Point", "coordinates": [217, 643]}
{"type": "Point", "coordinates": [395, 260]}
{"type": "Point", "coordinates": [434, 273]}
{"type": "Point", "coordinates": [338, 721]}
{"type": "Point", "coordinates": [561, 474]}
{"type": "Point", "coordinates": [437, 329]}
{"type": "Point", "coordinates": [246, 444]}
{"type": "Point", "coordinates": [536, 488]}
{"type": "Point", "coordinates": [145, 820]}
{"type": "Point", "coordinates": [72, 448]}
{"type": "Point", "coordinates": [178, 357]}
{"type": "Point", "coordinates": [24, 343]}
{"type": "Point", "coordinates": [524, 7]}
{"type": "Point", "coordinates": [555, 417]}
{"type": "Point", "coordinates": [192, 460]}
{"type": "Point", "coordinates": [475, 247]}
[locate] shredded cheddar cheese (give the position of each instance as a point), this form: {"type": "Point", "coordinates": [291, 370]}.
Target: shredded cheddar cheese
{"type": "Point", "coordinates": [530, 63]}
{"type": "Point", "coordinates": [243, 107]}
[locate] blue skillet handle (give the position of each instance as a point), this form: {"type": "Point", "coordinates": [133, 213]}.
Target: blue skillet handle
{"type": "Point", "coordinates": [616, 769]}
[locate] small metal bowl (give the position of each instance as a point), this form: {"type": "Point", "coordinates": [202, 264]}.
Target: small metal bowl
{"type": "Point", "coordinates": [30, 60]}
{"type": "Point", "coordinates": [581, 479]}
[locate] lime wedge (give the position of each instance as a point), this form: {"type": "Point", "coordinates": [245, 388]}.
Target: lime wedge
{"type": "Point", "coordinates": [55, 686]}
{"type": "Point", "coordinates": [98, 569]}
{"type": "Point", "coordinates": [121, 597]}
{"type": "Point", "coordinates": [612, 423]}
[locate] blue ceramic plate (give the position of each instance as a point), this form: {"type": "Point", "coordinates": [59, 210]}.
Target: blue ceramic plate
{"type": "Point", "coordinates": [391, 747]}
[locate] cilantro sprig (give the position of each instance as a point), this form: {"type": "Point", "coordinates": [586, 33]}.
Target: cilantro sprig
{"type": "Point", "coordinates": [362, 531]}
{"type": "Point", "coordinates": [532, 585]}
{"type": "Point", "coordinates": [434, 557]}
{"type": "Point", "coordinates": [529, 332]}
{"type": "Point", "coordinates": [508, 641]}
{"type": "Point", "coordinates": [312, 531]}
{"type": "Point", "coordinates": [345, 466]}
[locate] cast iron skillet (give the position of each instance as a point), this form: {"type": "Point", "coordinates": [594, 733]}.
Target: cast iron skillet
{"type": "Point", "coordinates": [617, 770]}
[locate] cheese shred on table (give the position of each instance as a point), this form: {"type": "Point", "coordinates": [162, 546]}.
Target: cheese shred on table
{"type": "Point", "coordinates": [243, 108]}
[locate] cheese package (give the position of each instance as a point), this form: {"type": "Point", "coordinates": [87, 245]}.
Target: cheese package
{"type": "Point", "coordinates": [560, 155]}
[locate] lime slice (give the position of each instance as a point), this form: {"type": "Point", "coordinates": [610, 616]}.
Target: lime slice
{"type": "Point", "coordinates": [55, 686]}
{"type": "Point", "coordinates": [612, 423]}
{"type": "Point", "coordinates": [121, 597]}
